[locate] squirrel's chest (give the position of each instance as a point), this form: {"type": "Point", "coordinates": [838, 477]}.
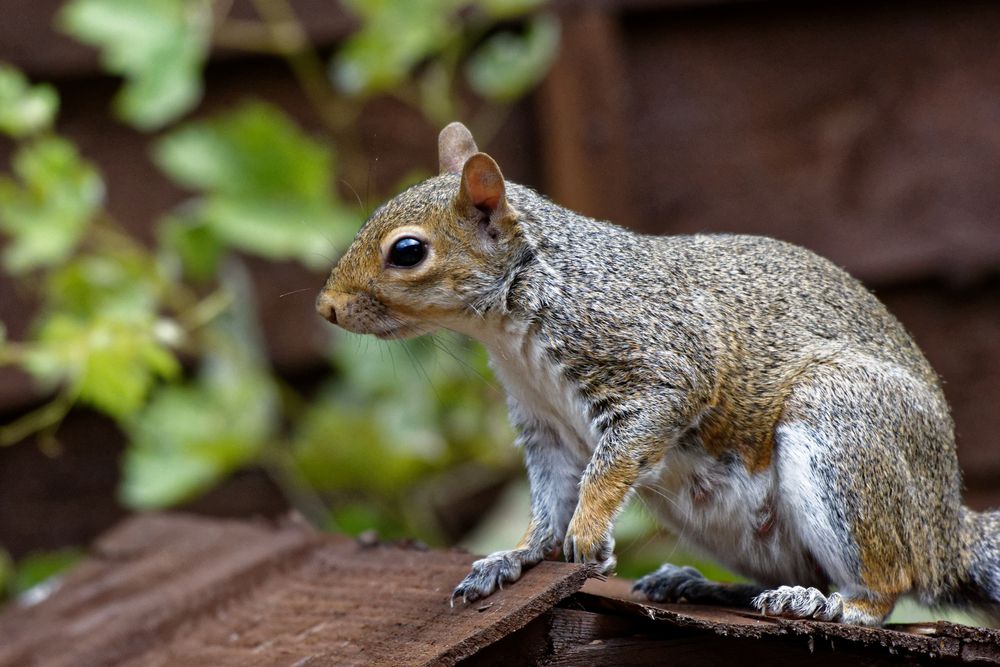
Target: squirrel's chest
{"type": "Point", "coordinates": [539, 390]}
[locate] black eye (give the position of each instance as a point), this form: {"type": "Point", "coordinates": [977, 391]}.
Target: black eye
{"type": "Point", "coordinates": [407, 252]}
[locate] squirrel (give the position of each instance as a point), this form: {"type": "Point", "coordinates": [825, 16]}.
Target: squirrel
{"type": "Point", "coordinates": [763, 402]}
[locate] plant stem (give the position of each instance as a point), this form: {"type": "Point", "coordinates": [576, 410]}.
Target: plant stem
{"type": "Point", "coordinates": [280, 466]}
{"type": "Point", "coordinates": [206, 310]}
{"type": "Point", "coordinates": [47, 417]}
{"type": "Point", "coordinates": [289, 39]}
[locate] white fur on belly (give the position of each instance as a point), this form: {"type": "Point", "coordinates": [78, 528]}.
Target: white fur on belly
{"type": "Point", "coordinates": [734, 516]}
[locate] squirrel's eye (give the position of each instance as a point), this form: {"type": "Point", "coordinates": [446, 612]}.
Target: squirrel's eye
{"type": "Point", "coordinates": [407, 252]}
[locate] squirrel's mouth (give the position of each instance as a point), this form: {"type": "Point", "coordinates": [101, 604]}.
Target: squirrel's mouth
{"type": "Point", "coordinates": [401, 332]}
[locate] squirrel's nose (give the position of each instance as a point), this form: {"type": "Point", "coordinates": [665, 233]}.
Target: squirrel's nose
{"type": "Point", "coordinates": [326, 307]}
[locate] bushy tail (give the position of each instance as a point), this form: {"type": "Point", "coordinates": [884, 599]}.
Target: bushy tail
{"type": "Point", "coordinates": [983, 540]}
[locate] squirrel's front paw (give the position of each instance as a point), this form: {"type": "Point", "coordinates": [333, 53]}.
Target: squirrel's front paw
{"type": "Point", "coordinates": [592, 547]}
{"type": "Point", "coordinates": [490, 573]}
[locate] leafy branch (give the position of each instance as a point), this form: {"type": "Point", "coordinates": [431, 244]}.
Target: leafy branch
{"type": "Point", "coordinates": [165, 339]}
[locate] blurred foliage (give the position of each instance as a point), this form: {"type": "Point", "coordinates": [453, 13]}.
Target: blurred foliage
{"type": "Point", "coordinates": [159, 46]}
{"type": "Point", "coordinates": [24, 109]}
{"type": "Point", "coordinates": [509, 63]}
{"type": "Point", "coordinates": [414, 50]}
{"type": "Point", "coordinates": [25, 579]}
{"type": "Point", "coordinates": [266, 187]}
{"type": "Point", "coordinates": [46, 209]}
{"type": "Point", "coordinates": [218, 421]}
{"type": "Point", "coordinates": [165, 339]}
{"type": "Point", "coordinates": [35, 569]}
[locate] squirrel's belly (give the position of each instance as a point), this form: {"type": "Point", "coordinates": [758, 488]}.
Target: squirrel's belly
{"type": "Point", "coordinates": [731, 514]}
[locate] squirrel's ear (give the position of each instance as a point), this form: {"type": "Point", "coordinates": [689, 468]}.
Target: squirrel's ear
{"type": "Point", "coordinates": [482, 184]}
{"type": "Point", "coordinates": [455, 147]}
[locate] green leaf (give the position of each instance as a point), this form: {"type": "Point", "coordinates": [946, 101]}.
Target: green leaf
{"type": "Point", "coordinates": [25, 109]}
{"type": "Point", "coordinates": [101, 333]}
{"type": "Point", "coordinates": [267, 187]}
{"type": "Point", "coordinates": [254, 149]}
{"type": "Point", "coordinates": [508, 65]}
{"type": "Point", "coordinates": [159, 46]}
{"type": "Point", "coordinates": [191, 436]}
{"type": "Point", "coordinates": [121, 285]}
{"type": "Point", "coordinates": [47, 210]}
{"type": "Point", "coordinates": [410, 406]}
{"type": "Point", "coordinates": [194, 244]}
{"type": "Point", "coordinates": [37, 568]}
{"type": "Point", "coordinates": [394, 37]}
{"type": "Point", "coordinates": [308, 232]}
{"type": "Point", "coordinates": [109, 362]}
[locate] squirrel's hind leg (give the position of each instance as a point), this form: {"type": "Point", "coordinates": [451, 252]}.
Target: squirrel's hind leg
{"type": "Point", "coordinates": [671, 583]}
{"type": "Point", "coordinates": [857, 451]}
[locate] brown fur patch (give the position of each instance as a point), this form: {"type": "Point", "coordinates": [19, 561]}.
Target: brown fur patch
{"type": "Point", "coordinates": [877, 607]}
{"type": "Point", "coordinates": [601, 496]}
{"type": "Point", "coordinates": [732, 426]}
{"type": "Point", "coordinates": [528, 537]}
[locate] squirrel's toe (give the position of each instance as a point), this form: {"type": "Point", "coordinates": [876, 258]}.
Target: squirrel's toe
{"type": "Point", "coordinates": [800, 602]}
{"type": "Point", "coordinates": [489, 574]}
{"type": "Point", "coordinates": [669, 583]}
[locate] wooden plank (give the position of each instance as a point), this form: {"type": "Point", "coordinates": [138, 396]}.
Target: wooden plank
{"type": "Point", "coordinates": [174, 590]}
{"type": "Point", "coordinates": [146, 579]}
{"type": "Point", "coordinates": [567, 636]}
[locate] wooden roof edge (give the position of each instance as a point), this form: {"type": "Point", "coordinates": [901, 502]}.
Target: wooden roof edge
{"type": "Point", "coordinates": [931, 640]}
{"type": "Point", "coordinates": [181, 586]}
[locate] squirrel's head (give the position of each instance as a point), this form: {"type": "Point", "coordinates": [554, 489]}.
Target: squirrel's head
{"type": "Point", "coordinates": [427, 258]}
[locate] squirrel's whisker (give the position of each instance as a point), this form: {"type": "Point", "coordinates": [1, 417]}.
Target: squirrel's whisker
{"type": "Point", "coordinates": [296, 291]}
{"type": "Point", "coordinates": [361, 207]}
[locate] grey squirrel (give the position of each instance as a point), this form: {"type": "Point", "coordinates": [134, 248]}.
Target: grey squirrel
{"type": "Point", "coordinates": [765, 403]}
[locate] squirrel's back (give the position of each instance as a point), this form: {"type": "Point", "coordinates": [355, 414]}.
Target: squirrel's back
{"type": "Point", "coordinates": [741, 306]}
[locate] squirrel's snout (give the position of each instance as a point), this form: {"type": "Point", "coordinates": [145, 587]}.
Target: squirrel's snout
{"type": "Point", "coordinates": [326, 306]}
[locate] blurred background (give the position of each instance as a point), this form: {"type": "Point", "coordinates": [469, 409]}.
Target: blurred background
{"type": "Point", "coordinates": [177, 177]}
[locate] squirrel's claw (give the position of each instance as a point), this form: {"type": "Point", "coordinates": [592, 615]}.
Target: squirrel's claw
{"type": "Point", "coordinates": [800, 602]}
{"type": "Point", "coordinates": [491, 573]}
{"type": "Point", "coordinates": [600, 554]}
